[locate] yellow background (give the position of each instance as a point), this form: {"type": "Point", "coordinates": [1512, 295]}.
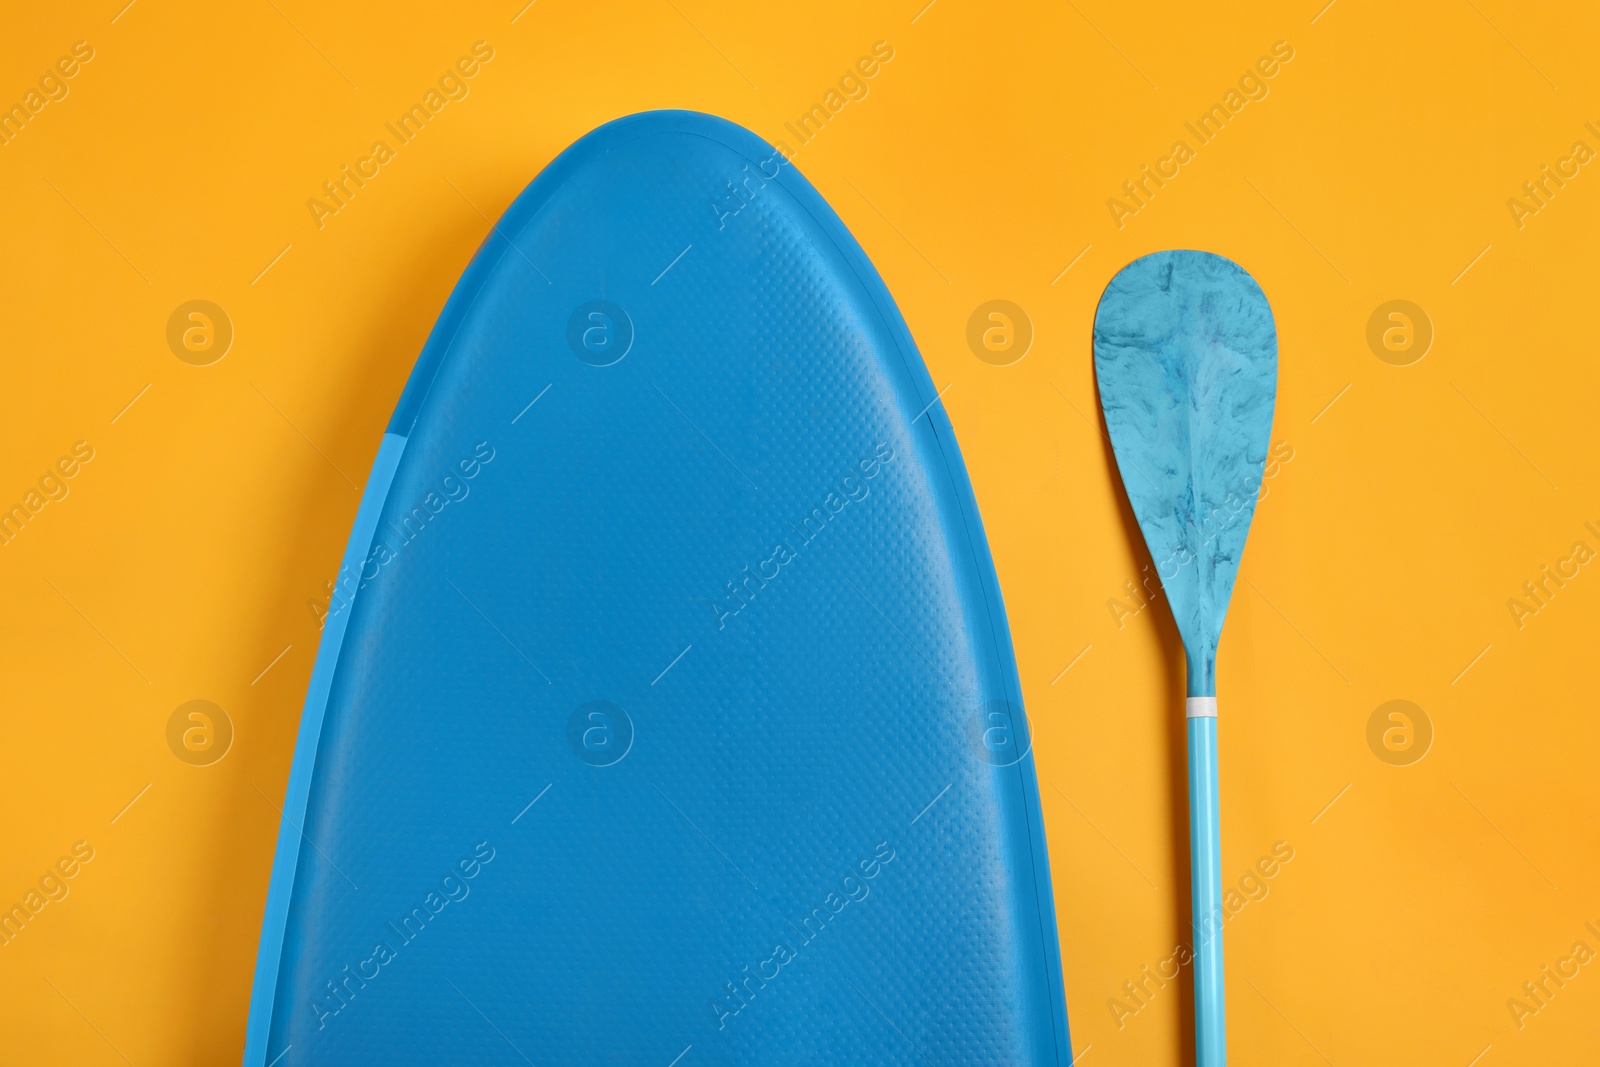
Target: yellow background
{"type": "Point", "coordinates": [1380, 565]}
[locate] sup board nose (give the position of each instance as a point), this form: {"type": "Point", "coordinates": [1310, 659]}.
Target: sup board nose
{"type": "Point", "coordinates": [666, 710]}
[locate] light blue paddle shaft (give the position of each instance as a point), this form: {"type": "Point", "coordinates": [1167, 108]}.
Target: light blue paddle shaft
{"type": "Point", "coordinates": [1186, 357]}
{"type": "Point", "coordinates": [1205, 886]}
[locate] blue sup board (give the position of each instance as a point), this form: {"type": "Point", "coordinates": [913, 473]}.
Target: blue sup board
{"type": "Point", "coordinates": [665, 712]}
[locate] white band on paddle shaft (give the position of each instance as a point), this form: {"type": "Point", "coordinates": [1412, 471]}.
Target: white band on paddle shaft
{"type": "Point", "coordinates": [1201, 708]}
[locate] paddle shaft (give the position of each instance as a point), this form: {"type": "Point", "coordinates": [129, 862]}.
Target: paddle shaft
{"type": "Point", "coordinates": [1205, 884]}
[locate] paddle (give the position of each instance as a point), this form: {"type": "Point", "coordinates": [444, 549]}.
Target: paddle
{"type": "Point", "coordinates": [1186, 357]}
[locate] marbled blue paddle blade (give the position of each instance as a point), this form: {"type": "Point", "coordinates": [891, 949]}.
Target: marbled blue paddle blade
{"type": "Point", "coordinates": [1186, 356]}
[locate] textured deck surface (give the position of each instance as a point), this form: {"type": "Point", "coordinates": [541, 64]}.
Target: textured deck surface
{"type": "Point", "coordinates": [676, 713]}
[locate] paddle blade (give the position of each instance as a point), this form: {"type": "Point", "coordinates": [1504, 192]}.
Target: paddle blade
{"type": "Point", "coordinates": [1186, 357]}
